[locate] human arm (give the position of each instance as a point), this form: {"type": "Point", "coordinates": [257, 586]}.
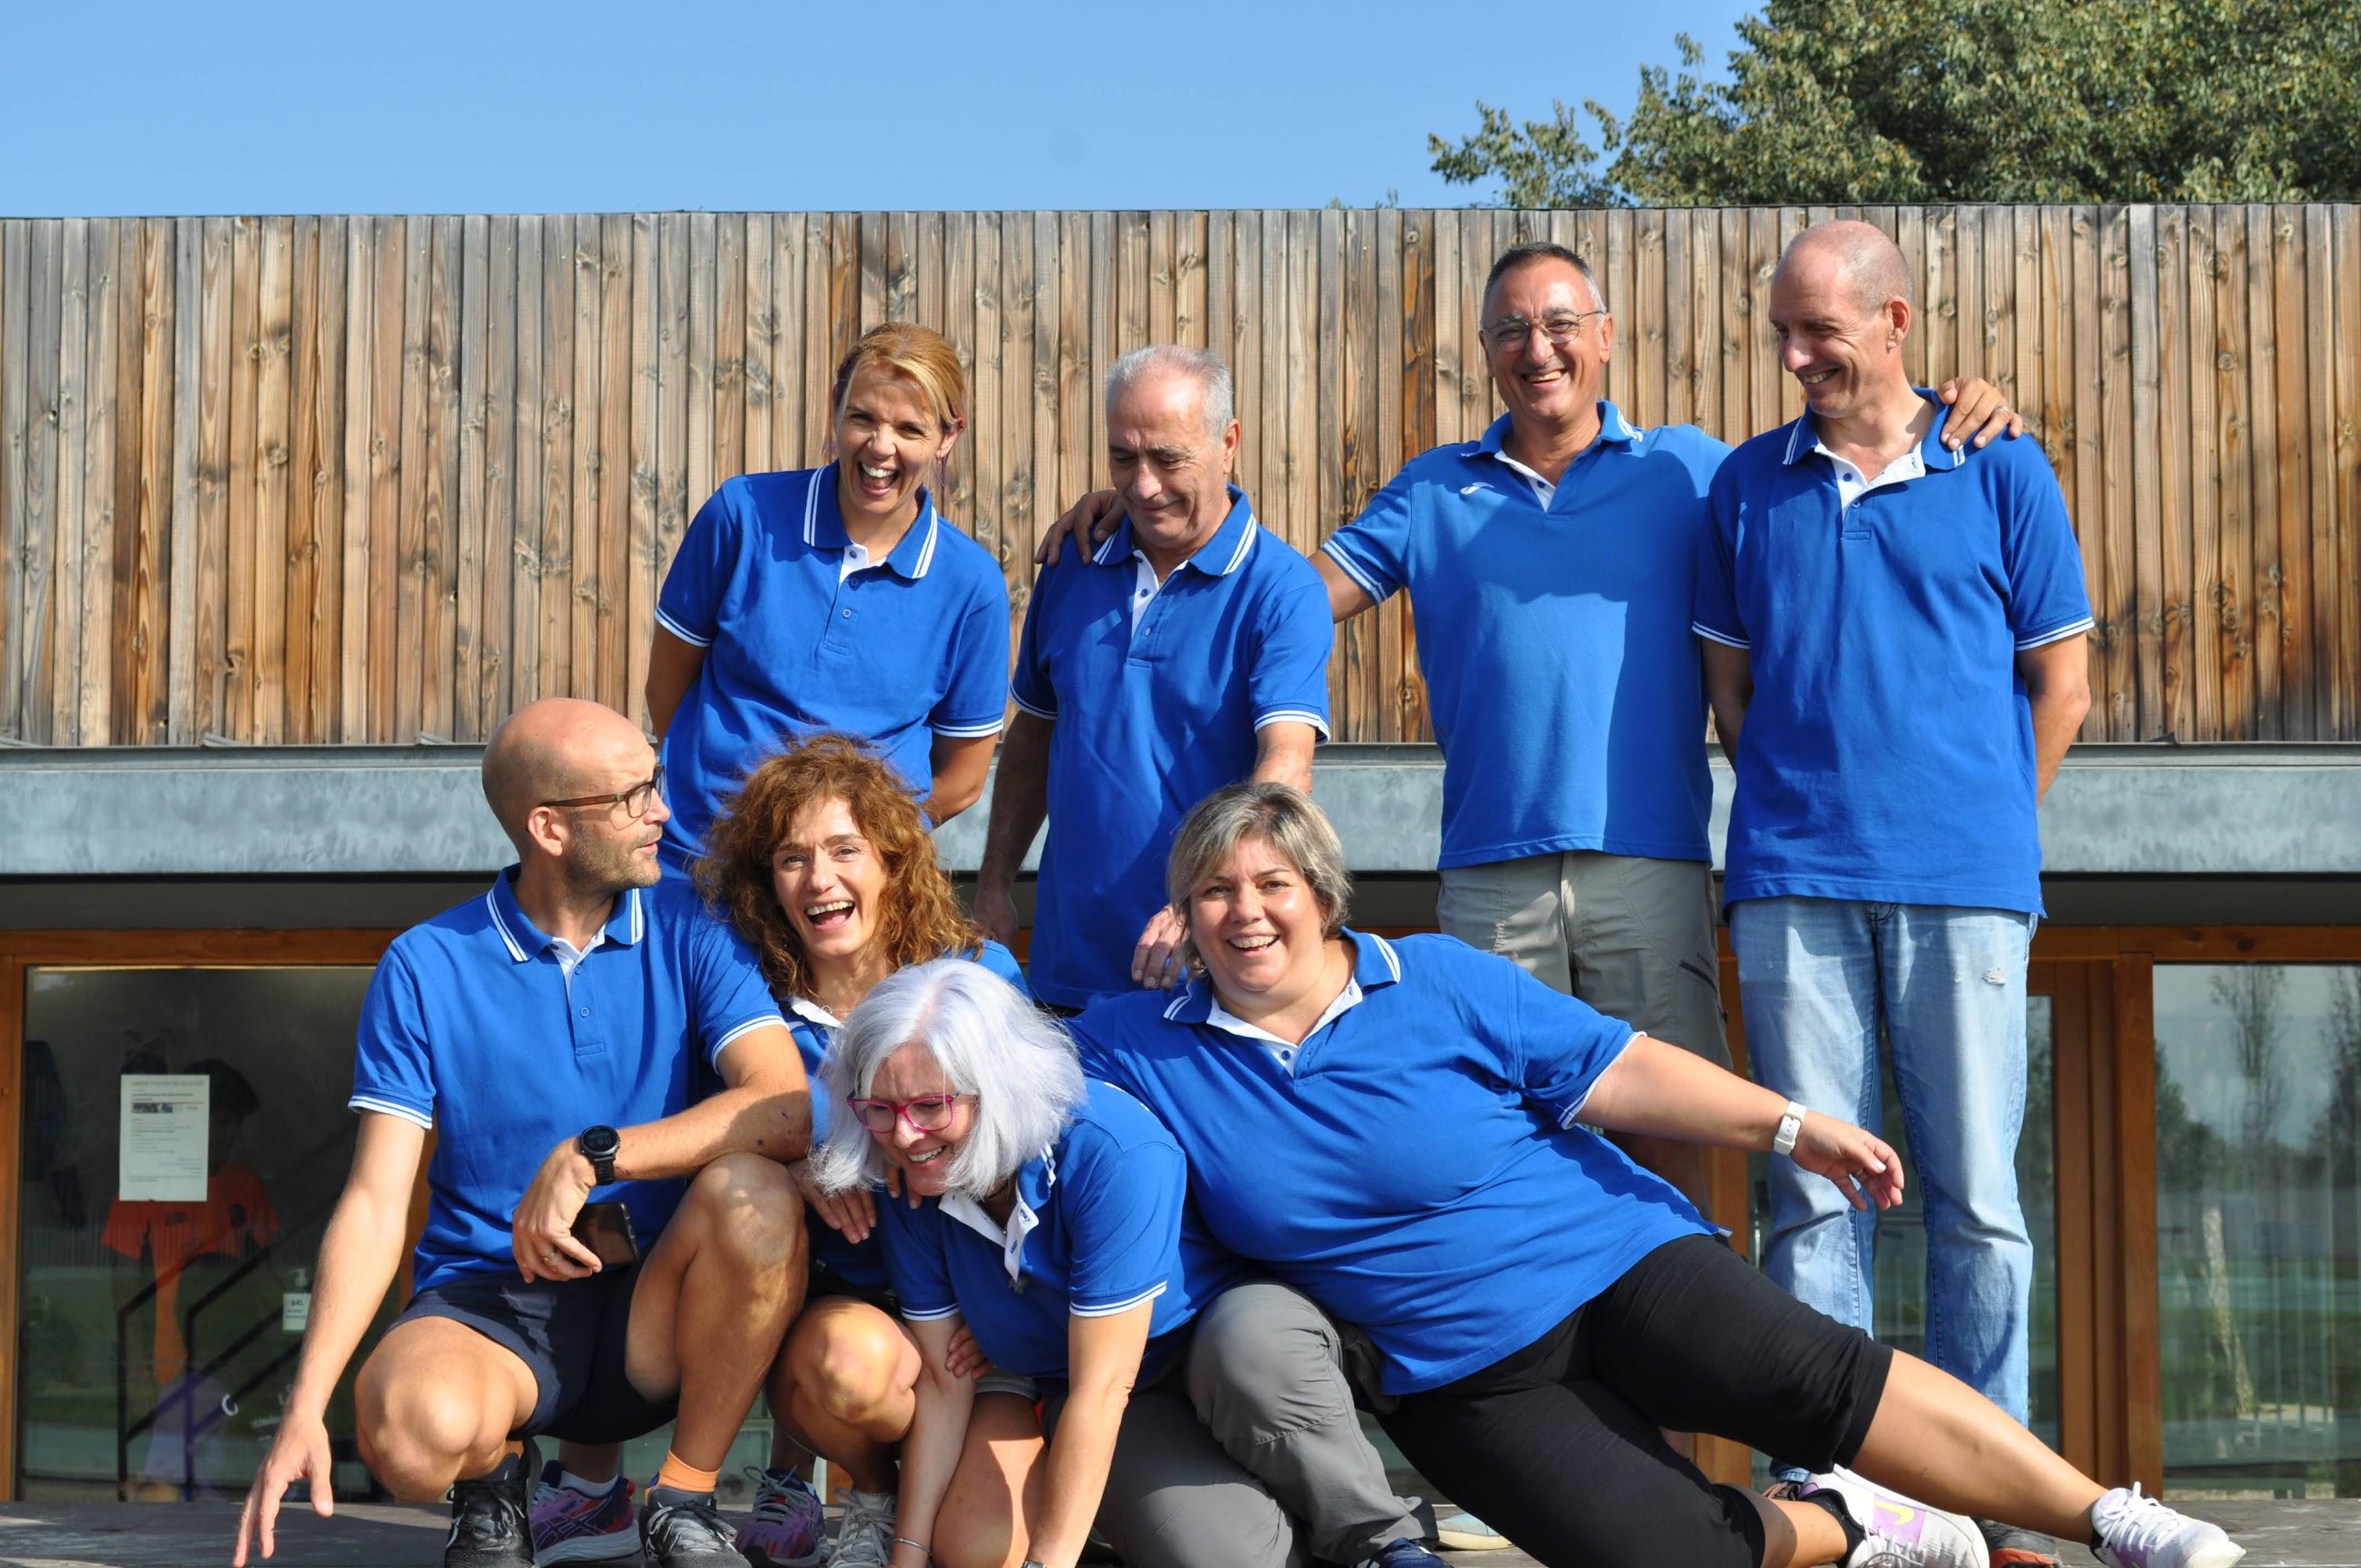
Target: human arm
{"type": "Point", "coordinates": [1729, 688]}
{"type": "Point", "coordinates": [2057, 678]}
{"type": "Point", "coordinates": [1020, 804]}
{"type": "Point", "coordinates": [930, 1453]}
{"type": "Point", "coordinates": [1979, 410]}
{"type": "Point", "coordinates": [1103, 1356]}
{"type": "Point", "coordinates": [959, 764]}
{"type": "Point", "coordinates": [1283, 753]}
{"type": "Point", "coordinates": [673, 665]}
{"type": "Point", "coordinates": [1346, 598]}
{"type": "Point", "coordinates": [763, 1108]}
{"type": "Point", "coordinates": [359, 1256]}
{"type": "Point", "coordinates": [1661, 1091]}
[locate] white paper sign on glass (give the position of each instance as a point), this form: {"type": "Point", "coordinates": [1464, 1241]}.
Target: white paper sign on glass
{"type": "Point", "coordinates": [166, 1118]}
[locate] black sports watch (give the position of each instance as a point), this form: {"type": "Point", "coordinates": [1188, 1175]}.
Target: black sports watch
{"type": "Point", "coordinates": [598, 1145]}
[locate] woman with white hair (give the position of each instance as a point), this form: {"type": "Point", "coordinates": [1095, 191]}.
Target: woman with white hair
{"type": "Point", "coordinates": [1403, 1130]}
{"type": "Point", "coordinates": [1048, 1215]}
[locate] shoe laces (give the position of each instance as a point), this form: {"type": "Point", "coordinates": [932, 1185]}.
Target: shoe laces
{"type": "Point", "coordinates": [486, 1514]}
{"type": "Point", "coordinates": [778, 1499]}
{"type": "Point", "coordinates": [865, 1535]}
{"type": "Point", "coordinates": [688, 1528]}
{"type": "Point", "coordinates": [2137, 1523]}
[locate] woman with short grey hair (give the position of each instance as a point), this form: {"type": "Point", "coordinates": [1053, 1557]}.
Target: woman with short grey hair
{"type": "Point", "coordinates": [1048, 1215]}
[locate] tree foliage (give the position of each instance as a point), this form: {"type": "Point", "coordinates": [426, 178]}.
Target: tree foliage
{"type": "Point", "coordinates": [1852, 101]}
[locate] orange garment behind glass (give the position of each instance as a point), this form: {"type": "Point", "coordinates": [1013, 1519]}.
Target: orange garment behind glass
{"type": "Point", "coordinates": [234, 1219]}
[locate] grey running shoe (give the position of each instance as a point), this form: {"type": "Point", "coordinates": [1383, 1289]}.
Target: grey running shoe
{"type": "Point", "coordinates": [684, 1530]}
{"type": "Point", "coordinates": [864, 1536]}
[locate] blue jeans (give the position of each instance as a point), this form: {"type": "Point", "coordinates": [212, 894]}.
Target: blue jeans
{"type": "Point", "coordinates": [1818, 977]}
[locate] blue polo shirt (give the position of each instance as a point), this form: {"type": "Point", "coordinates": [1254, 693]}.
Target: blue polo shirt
{"type": "Point", "coordinates": [472, 1029]}
{"type": "Point", "coordinates": [860, 1264]}
{"type": "Point", "coordinates": [1554, 638]}
{"type": "Point", "coordinates": [1414, 1164]}
{"type": "Point", "coordinates": [1154, 712]}
{"type": "Point", "coordinates": [1101, 1224]}
{"type": "Point", "coordinates": [1887, 754]}
{"type": "Point", "coordinates": [896, 652]}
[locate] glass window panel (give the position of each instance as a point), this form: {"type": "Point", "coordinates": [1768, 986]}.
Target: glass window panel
{"type": "Point", "coordinates": [157, 1336]}
{"type": "Point", "coordinates": [2258, 1214]}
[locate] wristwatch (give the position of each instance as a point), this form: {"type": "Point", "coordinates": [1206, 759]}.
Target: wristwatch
{"type": "Point", "coordinates": [1791, 1125]}
{"type": "Point", "coordinates": [598, 1145]}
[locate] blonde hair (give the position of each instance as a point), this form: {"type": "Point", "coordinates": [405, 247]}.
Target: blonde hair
{"type": "Point", "coordinates": [918, 356]}
{"type": "Point", "coordinates": [1280, 816]}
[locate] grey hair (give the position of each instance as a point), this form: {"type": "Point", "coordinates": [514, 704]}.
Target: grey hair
{"type": "Point", "coordinates": [1206, 368]}
{"type": "Point", "coordinates": [990, 1042]}
{"type": "Point", "coordinates": [1281, 816]}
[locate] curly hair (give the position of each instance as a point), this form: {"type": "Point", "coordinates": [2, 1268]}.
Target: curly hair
{"type": "Point", "coordinates": [920, 919]}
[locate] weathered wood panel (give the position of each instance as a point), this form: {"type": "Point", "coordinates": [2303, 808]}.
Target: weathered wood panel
{"type": "Point", "coordinates": [370, 479]}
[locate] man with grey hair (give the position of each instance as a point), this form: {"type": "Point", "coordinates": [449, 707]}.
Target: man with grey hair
{"type": "Point", "coordinates": [1892, 630]}
{"type": "Point", "coordinates": [1188, 651]}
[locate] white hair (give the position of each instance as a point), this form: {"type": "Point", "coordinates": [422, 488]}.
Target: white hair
{"type": "Point", "coordinates": [1204, 366]}
{"type": "Point", "coordinates": [989, 1041]}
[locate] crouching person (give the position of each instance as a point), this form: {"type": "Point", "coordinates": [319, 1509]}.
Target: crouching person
{"type": "Point", "coordinates": [547, 1034]}
{"type": "Point", "coordinates": [1048, 1216]}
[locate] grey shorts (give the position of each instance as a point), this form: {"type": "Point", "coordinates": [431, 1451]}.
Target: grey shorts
{"type": "Point", "coordinates": [1631, 935]}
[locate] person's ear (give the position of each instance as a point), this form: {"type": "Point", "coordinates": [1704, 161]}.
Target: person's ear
{"type": "Point", "coordinates": [548, 830]}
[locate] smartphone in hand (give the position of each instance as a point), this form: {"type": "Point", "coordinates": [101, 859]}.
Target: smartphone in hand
{"type": "Point", "coordinates": [606, 1229]}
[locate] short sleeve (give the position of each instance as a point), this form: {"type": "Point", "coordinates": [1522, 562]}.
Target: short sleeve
{"type": "Point", "coordinates": [2046, 600]}
{"type": "Point", "coordinates": [690, 604]}
{"type": "Point", "coordinates": [975, 699]}
{"type": "Point", "coordinates": [1289, 683]}
{"type": "Point", "coordinates": [1002, 962]}
{"type": "Point", "coordinates": [1561, 1044]}
{"type": "Point", "coordinates": [1374, 548]}
{"type": "Point", "coordinates": [393, 1069]}
{"type": "Point", "coordinates": [1030, 685]}
{"type": "Point", "coordinates": [914, 1259]}
{"type": "Point", "coordinates": [731, 997]}
{"type": "Point", "coordinates": [1714, 614]}
{"type": "Point", "coordinates": [1123, 1210]}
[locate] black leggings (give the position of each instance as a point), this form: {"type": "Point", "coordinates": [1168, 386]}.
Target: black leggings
{"type": "Point", "coordinates": [1557, 1446]}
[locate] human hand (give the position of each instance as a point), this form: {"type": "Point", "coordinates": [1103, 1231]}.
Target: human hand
{"type": "Point", "coordinates": [1978, 408]}
{"type": "Point", "coordinates": [1156, 962]}
{"type": "Point", "coordinates": [542, 1229]}
{"type": "Point", "coordinates": [851, 1214]}
{"type": "Point", "coordinates": [1864, 1166]}
{"type": "Point", "coordinates": [1094, 517]}
{"type": "Point", "coordinates": [964, 1358]}
{"type": "Point", "coordinates": [299, 1452]}
{"type": "Point", "coordinates": [995, 914]}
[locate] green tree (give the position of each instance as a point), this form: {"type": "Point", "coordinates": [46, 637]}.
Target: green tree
{"type": "Point", "coordinates": [1849, 101]}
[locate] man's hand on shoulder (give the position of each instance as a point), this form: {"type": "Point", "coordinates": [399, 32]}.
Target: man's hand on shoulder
{"type": "Point", "coordinates": [542, 1227]}
{"type": "Point", "coordinates": [1978, 409]}
{"type": "Point", "coordinates": [299, 1452]}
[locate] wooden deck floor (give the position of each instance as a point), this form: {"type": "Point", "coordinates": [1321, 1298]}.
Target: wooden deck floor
{"type": "Point", "coordinates": [2309, 1534]}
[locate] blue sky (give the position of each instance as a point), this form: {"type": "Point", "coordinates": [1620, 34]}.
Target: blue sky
{"type": "Point", "coordinates": [429, 106]}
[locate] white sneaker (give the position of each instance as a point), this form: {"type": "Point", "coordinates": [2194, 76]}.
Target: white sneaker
{"type": "Point", "coordinates": [1902, 1532]}
{"type": "Point", "coordinates": [2137, 1531]}
{"type": "Point", "coordinates": [864, 1537]}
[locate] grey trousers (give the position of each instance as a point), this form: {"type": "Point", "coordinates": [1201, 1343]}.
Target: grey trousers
{"type": "Point", "coordinates": [1251, 1455]}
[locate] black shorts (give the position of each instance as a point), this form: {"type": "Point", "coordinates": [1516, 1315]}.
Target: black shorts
{"type": "Point", "coordinates": [1557, 1444]}
{"type": "Point", "coordinates": [571, 1334]}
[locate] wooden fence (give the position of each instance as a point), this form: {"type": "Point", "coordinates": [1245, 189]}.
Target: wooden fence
{"type": "Point", "coordinates": [324, 479]}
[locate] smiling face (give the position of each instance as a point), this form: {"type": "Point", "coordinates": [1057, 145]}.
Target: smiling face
{"type": "Point", "coordinates": [1174, 474]}
{"type": "Point", "coordinates": [830, 882]}
{"type": "Point", "coordinates": [924, 1159]}
{"type": "Point", "coordinates": [1843, 347]}
{"type": "Point", "coordinates": [1259, 927]}
{"type": "Point", "coordinates": [1544, 381]}
{"type": "Point", "coordinates": [888, 434]}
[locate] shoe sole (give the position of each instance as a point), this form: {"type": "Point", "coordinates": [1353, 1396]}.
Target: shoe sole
{"type": "Point", "coordinates": [817, 1556]}
{"type": "Point", "coordinates": [591, 1548]}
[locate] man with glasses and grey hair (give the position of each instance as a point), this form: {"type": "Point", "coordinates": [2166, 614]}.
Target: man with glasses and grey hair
{"type": "Point", "coordinates": [551, 1035]}
{"type": "Point", "coordinates": [1188, 651]}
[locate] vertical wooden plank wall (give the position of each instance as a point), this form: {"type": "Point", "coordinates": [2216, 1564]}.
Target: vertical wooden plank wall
{"type": "Point", "coordinates": [342, 480]}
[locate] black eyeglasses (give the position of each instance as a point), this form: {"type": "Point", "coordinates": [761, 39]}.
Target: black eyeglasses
{"type": "Point", "coordinates": [634, 800]}
{"type": "Point", "coordinates": [1510, 332]}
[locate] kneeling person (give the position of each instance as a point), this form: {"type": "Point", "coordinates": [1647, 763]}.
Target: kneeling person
{"type": "Point", "coordinates": [523, 1029]}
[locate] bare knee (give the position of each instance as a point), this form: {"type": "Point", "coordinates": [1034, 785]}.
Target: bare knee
{"type": "Point", "coordinates": [849, 1364]}
{"type": "Point", "coordinates": [418, 1434]}
{"type": "Point", "coordinates": [749, 1210]}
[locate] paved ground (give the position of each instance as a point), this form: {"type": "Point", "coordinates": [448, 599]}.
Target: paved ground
{"type": "Point", "coordinates": [2315, 1534]}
